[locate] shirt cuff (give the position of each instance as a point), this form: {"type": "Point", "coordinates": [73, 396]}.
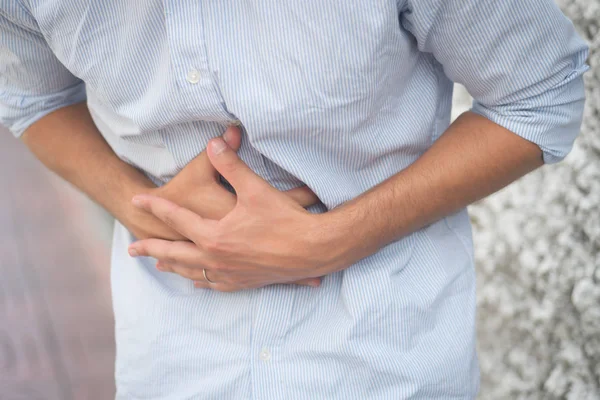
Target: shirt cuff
{"type": "Point", "coordinates": [552, 120]}
{"type": "Point", "coordinates": [19, 112]}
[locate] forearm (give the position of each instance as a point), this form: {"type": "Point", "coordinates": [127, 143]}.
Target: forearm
{"type": "Point", "coordinates": [472, 159]}
{"type": "Point", "coordinates": [68, 143]}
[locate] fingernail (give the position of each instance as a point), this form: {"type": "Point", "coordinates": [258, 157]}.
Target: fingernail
{"type": "Point", "coordinates": [218, 145]}
{"type": "Point", "coordinates": [133, 253]}
{"type": "Point", "coordinates": [315, 284]}
{"type": "Point", "coordinates": [227, 135]}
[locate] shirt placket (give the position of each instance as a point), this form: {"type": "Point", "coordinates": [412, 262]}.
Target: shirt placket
{"type": "Point", "coordinates": [274, 306]}
{"type": "Point", "coordinates": [187, 47]}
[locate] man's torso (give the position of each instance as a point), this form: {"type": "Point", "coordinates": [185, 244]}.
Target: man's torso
{"type": "Point", "coordinates": [331, 94]}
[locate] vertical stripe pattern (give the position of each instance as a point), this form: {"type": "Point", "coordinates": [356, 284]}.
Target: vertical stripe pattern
{"type": "Point", "coordinates": [338, 95]}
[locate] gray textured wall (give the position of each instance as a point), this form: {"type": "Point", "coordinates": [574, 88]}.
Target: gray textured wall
{"type": "Point", "coordinates": [538, 260]}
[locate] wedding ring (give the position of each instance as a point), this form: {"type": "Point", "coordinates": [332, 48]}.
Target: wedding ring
{"type": "Point", "coordinates": [206, 277]}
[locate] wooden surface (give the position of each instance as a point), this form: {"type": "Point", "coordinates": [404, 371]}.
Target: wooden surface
{"type": "Point", "coordinates": [56, 326]}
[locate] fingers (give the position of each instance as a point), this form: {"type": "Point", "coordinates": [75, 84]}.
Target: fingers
{"type": "Point", "coordinates": [168, 252]}
{"type": "Point", "coordinates": [210, 201]}
{"type": "Point", "coordinates": [191, 273]}
{"type": "Point", "coordinates": [197, 274]}
{"type": "Point", "coordinates": [224, 159]}
{"type": "Point", "coordinates": [181, 219]}
{"type": "Point", "coordinates": [303, 196]}
{"type": "Point", "coordinates": [233, 137]}
{"type": "Point", "coordinates": [204, 284]}
{"type": "Point", "coordinates": [233, 169]}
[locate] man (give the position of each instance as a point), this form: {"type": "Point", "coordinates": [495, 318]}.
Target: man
{"type": "Point", "coordinates": [351, 99]}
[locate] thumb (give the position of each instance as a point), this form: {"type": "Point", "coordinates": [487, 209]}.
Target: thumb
{"type": "Point", "coordinates": [233, 169]}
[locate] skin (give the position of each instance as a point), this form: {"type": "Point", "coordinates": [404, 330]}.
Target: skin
{"type": "Point", "coordinates": [68, 142]}
{"type": "Point", "coordinates": [267, 238]}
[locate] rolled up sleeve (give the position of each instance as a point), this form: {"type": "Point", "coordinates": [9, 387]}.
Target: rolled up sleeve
{"type": "Point", "coordinates": [521, 60]}
{"type": "Point", "coordinates": [33, 82]}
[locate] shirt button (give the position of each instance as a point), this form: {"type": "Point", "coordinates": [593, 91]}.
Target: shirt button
{"type": "Point", "coordinates": [235, 122]}
{"type": "Point", "coordinates": [265, 354]}
{"type": "Point", "coordinates": [193, 76]}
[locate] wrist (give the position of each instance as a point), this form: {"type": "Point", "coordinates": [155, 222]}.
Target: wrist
{"type": "Point", "coordinates": [332, 240]}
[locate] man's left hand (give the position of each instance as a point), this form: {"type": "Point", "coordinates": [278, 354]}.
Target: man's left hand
{"type": "Point", "coordinates": [267, 238]}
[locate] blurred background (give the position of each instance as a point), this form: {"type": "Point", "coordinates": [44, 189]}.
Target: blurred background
{"type": "Point", "coordinates": [56, 326]}
{"type": "Point", "coordinates": [537, 252]}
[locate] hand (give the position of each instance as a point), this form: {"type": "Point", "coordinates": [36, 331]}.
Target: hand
{"type": "Point", "coordinates": [197, 187]}
{"type": "Point", "coordinates": [267, 238]}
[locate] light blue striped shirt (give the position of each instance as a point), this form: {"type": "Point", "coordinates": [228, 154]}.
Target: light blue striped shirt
{"type": "Point", "coordinates": [338, 94]}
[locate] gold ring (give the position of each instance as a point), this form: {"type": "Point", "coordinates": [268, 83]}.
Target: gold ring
{"type": "Point", "coordinates": [206, 277]}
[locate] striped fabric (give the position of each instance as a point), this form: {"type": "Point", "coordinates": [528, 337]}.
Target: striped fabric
{"type": "Point", "coordinates": [337, 94]}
